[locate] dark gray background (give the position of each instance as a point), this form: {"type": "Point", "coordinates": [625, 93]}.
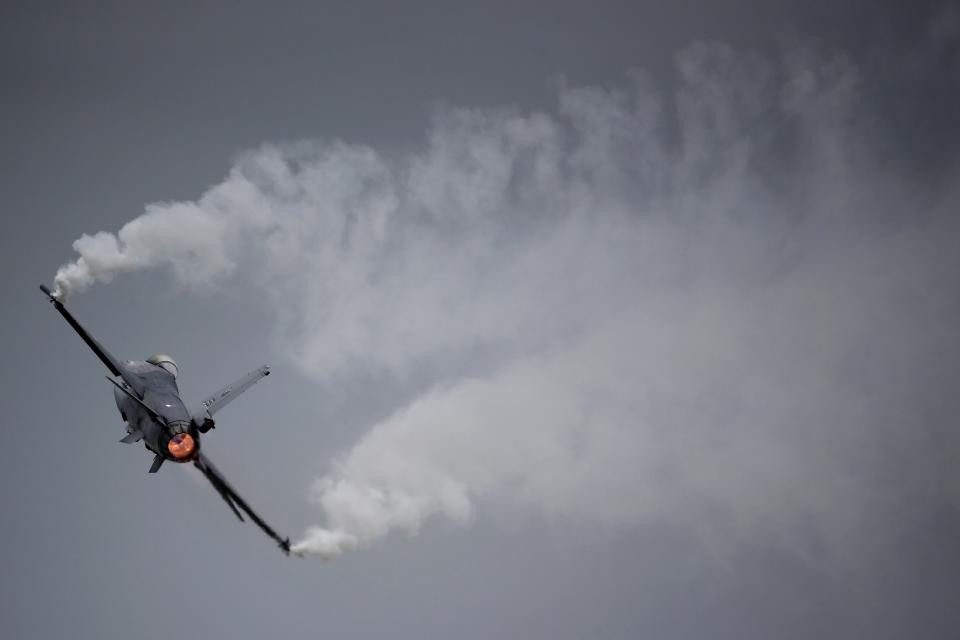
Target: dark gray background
{"type": "Point", "coordinates": [106, 108]}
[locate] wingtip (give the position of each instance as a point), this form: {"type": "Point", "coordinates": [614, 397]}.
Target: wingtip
{"type": "Point", "coordinates": [51, 296]}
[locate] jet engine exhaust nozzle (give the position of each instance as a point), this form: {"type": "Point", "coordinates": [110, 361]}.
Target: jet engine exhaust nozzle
{"type": "Point", "coordinates": [182, 446]}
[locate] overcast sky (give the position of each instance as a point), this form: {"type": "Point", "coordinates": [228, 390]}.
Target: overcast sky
{"type": "Point", "coordinates": [607, 319]}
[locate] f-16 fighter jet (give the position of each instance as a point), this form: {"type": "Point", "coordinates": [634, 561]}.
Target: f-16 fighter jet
{"type": "Point", "coordinates": [149, 401]}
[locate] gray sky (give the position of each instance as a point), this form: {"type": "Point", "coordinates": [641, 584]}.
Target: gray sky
{"type": "Point", "coordinates": [607, 320]}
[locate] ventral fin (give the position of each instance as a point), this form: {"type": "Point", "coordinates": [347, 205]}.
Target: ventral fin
{"type": "Point", "coordinates": [157, 461]}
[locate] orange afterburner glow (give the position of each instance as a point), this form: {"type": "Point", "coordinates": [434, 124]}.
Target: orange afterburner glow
{"type": "Point", "coordinates": [181, 446]}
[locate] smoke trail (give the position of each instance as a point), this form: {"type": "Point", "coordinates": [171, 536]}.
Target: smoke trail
{"type": "Point", "coordinates": [186, 237]}
{"type": "Point", "coordinates": [647, 306]}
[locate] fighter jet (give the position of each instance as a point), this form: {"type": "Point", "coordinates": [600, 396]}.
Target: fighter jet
{"type": "Point", "coordinates": [149, 402]}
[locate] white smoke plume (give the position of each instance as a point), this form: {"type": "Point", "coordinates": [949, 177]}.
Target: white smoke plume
{"type": "Point", "coordinates": [185, 237]}
{"type": "Point", "coordinates": [711, 305]}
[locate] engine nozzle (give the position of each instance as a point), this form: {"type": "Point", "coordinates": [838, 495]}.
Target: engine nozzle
{"type": "Point", "coordinates": [182, 446]}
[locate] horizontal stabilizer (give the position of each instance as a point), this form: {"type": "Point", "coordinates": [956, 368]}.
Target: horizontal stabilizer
{"type": "Point", "coordinates": [157, 461]}
{"type": "Point", "coordinates": [230, 502]}
{"type": "Point", "coordinates": [134, 436]}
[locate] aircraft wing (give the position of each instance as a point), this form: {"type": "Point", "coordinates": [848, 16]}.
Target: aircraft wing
{"type": "Point", "coordinates": [224, 396]}
{"type": "Point", "coordinates": [234, 501]}
{"type": "Point", "coordinates": [115, 366]}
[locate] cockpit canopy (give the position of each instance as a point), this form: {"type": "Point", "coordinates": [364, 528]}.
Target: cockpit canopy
{"type": "Point", "coordinates": [164, 362]}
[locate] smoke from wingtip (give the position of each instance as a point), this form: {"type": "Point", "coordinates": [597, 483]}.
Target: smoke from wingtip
{"type": "Point", "coordinates": [181, 235]}
{"type": "Point", "coordinates": [100, 260]}
{"type": "Point", "coordinates": [324, 543]}
{"type": "Point", "coordinates": [672, 322]}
